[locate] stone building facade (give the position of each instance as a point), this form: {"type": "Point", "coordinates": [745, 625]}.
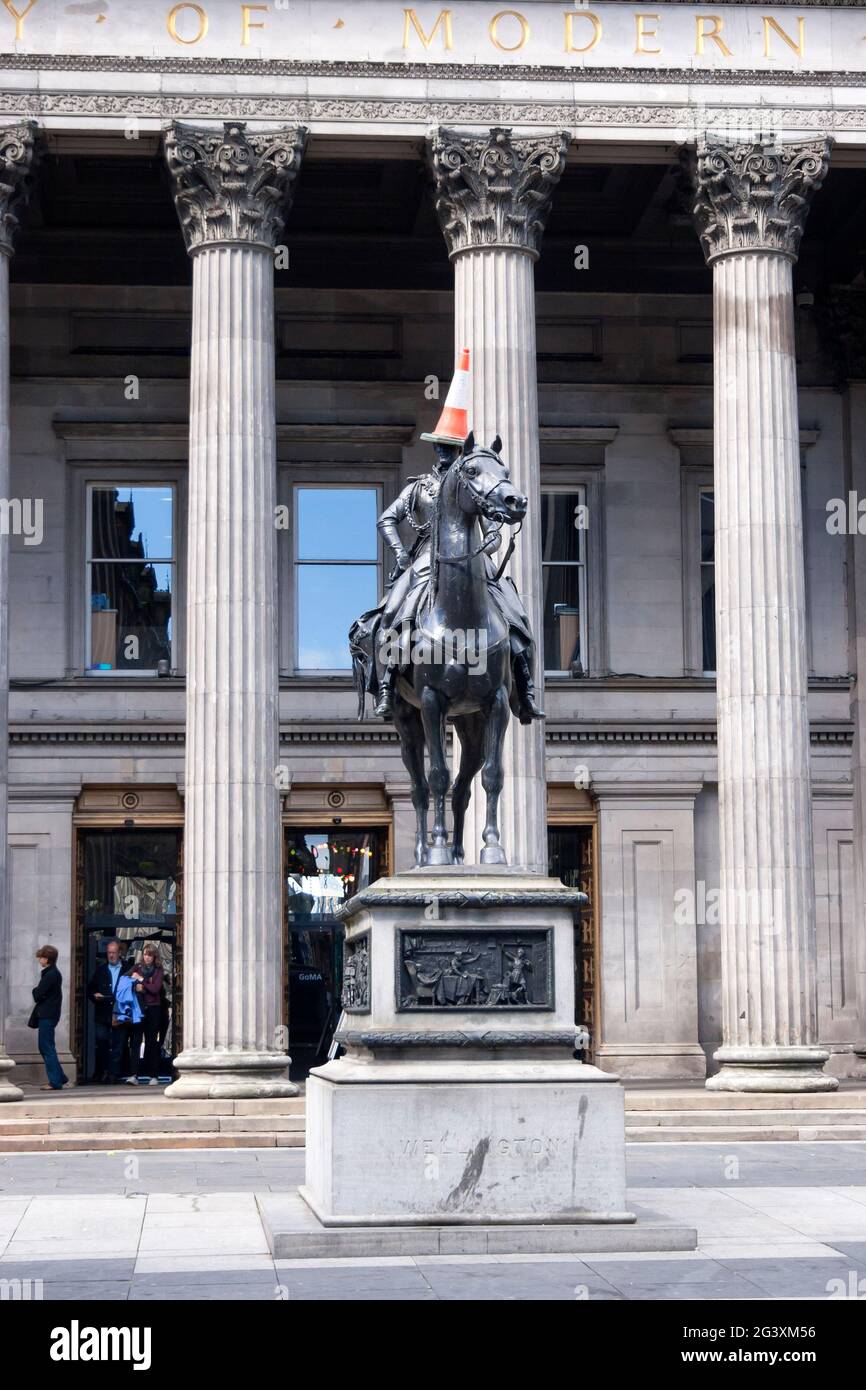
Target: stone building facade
{"type": "Point", "coordinates": [239, 249]}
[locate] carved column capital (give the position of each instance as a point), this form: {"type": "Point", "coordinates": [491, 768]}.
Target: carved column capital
{"type": "Point", "coordinates": [753, 197]}
{"type": "Point", "coordinates": [18, 158]}
{"type": "Point", "coordinates": [233, 186]}
{"type": "Point", "coordinates": [493, 191]}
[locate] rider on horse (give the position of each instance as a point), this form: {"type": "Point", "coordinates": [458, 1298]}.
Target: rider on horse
{"type": "Point", "coordinates": [416, 506]}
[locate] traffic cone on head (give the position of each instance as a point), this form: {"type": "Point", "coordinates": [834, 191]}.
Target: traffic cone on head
{"type": "Point", "coordinates": [453, 426]}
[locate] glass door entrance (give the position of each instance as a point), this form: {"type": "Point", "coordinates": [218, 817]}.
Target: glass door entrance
{"type": "Point", "coordinates": [323, 869]}
{"type": "Point", "coordinates": [128, 893]}
{"type": "Point", "coordinates": [570, 855]}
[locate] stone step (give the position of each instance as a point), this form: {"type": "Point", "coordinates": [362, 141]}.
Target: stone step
{"type": "Point", "coordinates": [123, 1142]}
{"type": "Point", "coordinates": [742, 1134]}
{"type": "Point", "coordinates": [699, 1099]}
{"type": "Point", "coordinates": [169, 1124]}
{"type": "Point", "coordinates": [727, 1119]}
{"type": "Point", "coordinates": [123, 1100]}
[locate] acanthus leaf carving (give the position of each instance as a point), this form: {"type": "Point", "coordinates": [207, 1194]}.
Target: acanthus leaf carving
{"type": "Point", "coordinates": [233, 185]}
{"type": "Point", "coordinates": [18, 159]}
{"type": "Point", "coordinates": [753, 196]}
{"type": "Point", "coordinates": [494, 190]}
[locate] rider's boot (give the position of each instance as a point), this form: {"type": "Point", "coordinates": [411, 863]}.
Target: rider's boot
{"type": "Point", "coordinates": [527, 709]}
{"type": "Point", "coordinates": [385, 703]}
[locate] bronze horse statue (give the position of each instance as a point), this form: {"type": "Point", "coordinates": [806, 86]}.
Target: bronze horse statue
{"type": "Point", "coordinates": [441, 681]}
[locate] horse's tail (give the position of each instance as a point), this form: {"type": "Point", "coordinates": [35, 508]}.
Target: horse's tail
{"type": "Point", "coordinates": [360, 675]}
{"type": "Point", "coordinates": [362, 660]}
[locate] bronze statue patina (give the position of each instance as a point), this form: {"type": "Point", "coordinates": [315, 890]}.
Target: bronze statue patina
{"type": "Point", "coordinates": [450, 639]}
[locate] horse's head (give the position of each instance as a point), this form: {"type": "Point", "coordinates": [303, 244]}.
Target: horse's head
{"type": "Point", "coordinates": [484, 483]}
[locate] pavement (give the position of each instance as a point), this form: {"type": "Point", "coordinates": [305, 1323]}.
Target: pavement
{"type": "Point", "coordinates": [774, 1221]}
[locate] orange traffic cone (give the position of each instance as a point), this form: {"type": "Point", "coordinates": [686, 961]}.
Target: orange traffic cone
{"type": "Point", "coordinates": [453, 426]}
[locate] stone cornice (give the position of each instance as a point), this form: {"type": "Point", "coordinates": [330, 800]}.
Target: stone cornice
{"type": "Point", "coordinates": [753, 196]}
{"type": "Point", "coordinates": [558, 740]}
{"type": "Point", "coordinates": [494, 191]}
{"type": "Point", "coordinates": [233, 185]}
{"type": "Point", "coordinates": [449, 72]}
{"type": "Point", "coordinates": [18, 158]}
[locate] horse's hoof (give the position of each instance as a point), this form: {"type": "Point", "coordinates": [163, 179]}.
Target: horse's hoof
{"type": "Point", "coordinates": [493, 854]}
{"type": "Point", "coordinates": [439, 854]}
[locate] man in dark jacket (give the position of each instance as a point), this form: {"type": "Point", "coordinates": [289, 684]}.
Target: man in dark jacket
{"type": "Point", "coordinates": [111, 1043]}
{"type": "Point", "coordinates": [48, 1001]}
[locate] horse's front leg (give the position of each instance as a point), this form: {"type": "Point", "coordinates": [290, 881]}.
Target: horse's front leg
{"type": "Point", "coordinates": [470, 731]}
{"type": "Point", "coordinates": [411, 731]}
{"type": "Point", "coordinates": [492, 778]}
{"type": "Point", "coordinates": [433, 719]}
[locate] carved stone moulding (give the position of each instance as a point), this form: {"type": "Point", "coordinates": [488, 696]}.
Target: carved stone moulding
{"type": "Point", "coordinates": [753, 196]}
{"type": "Point", "coordinates": [376, 1039]}
{"type": "Point", "coordinates": [683, 116]}
{"type": "Point", "coordinates": [494, 190]}
{"type": "Point", "coordinates": [233, 186]}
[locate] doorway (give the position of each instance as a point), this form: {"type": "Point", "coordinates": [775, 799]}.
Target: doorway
{"type": "Point", "coordinates": [325, 866]}
{"type": "Point", "coordinates": [128, 889]}
{"type": "Point", "coordinates": [572, 858]}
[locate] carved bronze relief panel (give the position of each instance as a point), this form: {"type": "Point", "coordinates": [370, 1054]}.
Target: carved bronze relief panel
{"type": "Point", "coordinates": [478, 969]}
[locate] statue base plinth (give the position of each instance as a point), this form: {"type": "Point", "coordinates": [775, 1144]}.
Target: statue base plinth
{"type": "Point", "coordinates": [459, 1101]}
{"type": "Point", "coordinates": [467, 1143]}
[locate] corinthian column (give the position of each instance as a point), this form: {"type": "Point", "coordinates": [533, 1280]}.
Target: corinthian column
{"type": "Point", "coordinates": [750, 204]}
{"type": "Point", "coordinates": [17, 144]}
{"type": "Point", "coordinates": [493, 194]}
{"type": "Point", "coordinates": [232, 191]}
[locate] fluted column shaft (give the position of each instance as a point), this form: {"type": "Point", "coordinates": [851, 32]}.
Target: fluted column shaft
{"type": "Point", "coordinates": [7, 1090]}
{"type": "Point", "coordinates": [17, 163]}
{"type": "Point", "coordinates": [751, 207]}
{"type": "Point", "coordinates": [232, 862]}
{"type": "Point", "coordinates": [493, 193]}
{"type": "Point", "coordinates": [494, 316]}
{"type": "Point", "coordinates": [232, 851]}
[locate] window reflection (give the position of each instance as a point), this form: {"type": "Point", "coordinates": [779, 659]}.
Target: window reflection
{"type": "Point", "coordinates": [130, 577]}
{"type": "Point", "coordinates": [564, 580]}
{"type": "Point", "coordinates": [336, 571]}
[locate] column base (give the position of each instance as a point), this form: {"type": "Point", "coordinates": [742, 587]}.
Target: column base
{"type": "Point", "coordinates": [225, 1075]}
{"type": "Point", "coordinates": [8, 1091]}
{"type": "Point", "coordinates": [772, 1069]}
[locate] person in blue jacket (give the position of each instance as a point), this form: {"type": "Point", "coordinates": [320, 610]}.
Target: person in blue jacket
{"type": "Point", "coordinates": [125, 1015]}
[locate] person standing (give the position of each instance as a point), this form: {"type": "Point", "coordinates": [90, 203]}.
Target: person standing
{"type": "Point", "coordinates": [110, 1042]}
{"type": "Point", "coordinates": [147, 978]}
{"type": "Point", "coordinates": [48, 1002]}
{"type": "Point", "coordinates": [126, 1015]}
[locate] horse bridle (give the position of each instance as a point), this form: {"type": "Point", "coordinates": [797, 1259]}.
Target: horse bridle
{"type": "Point", "coordinates": [480, 496]}
{"type": "Point", "coordinates": [498, 521]}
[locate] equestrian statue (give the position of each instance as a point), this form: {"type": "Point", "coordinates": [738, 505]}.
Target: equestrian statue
{"type": "Point", "coordinates": [450, 640]}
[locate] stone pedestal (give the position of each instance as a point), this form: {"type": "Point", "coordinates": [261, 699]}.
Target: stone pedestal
{"type": "Point", "coordinates": [459, 1100]}
{"type": "Point", "coordinates": [231, 192]}
{"type": "Point", "coordinates": [493, 193]}
{"type": "Point", "coordinates": [16, 160]}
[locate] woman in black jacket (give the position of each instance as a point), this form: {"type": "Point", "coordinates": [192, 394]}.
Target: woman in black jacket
{"type": "Point", "coordinates": [48, 1000]}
